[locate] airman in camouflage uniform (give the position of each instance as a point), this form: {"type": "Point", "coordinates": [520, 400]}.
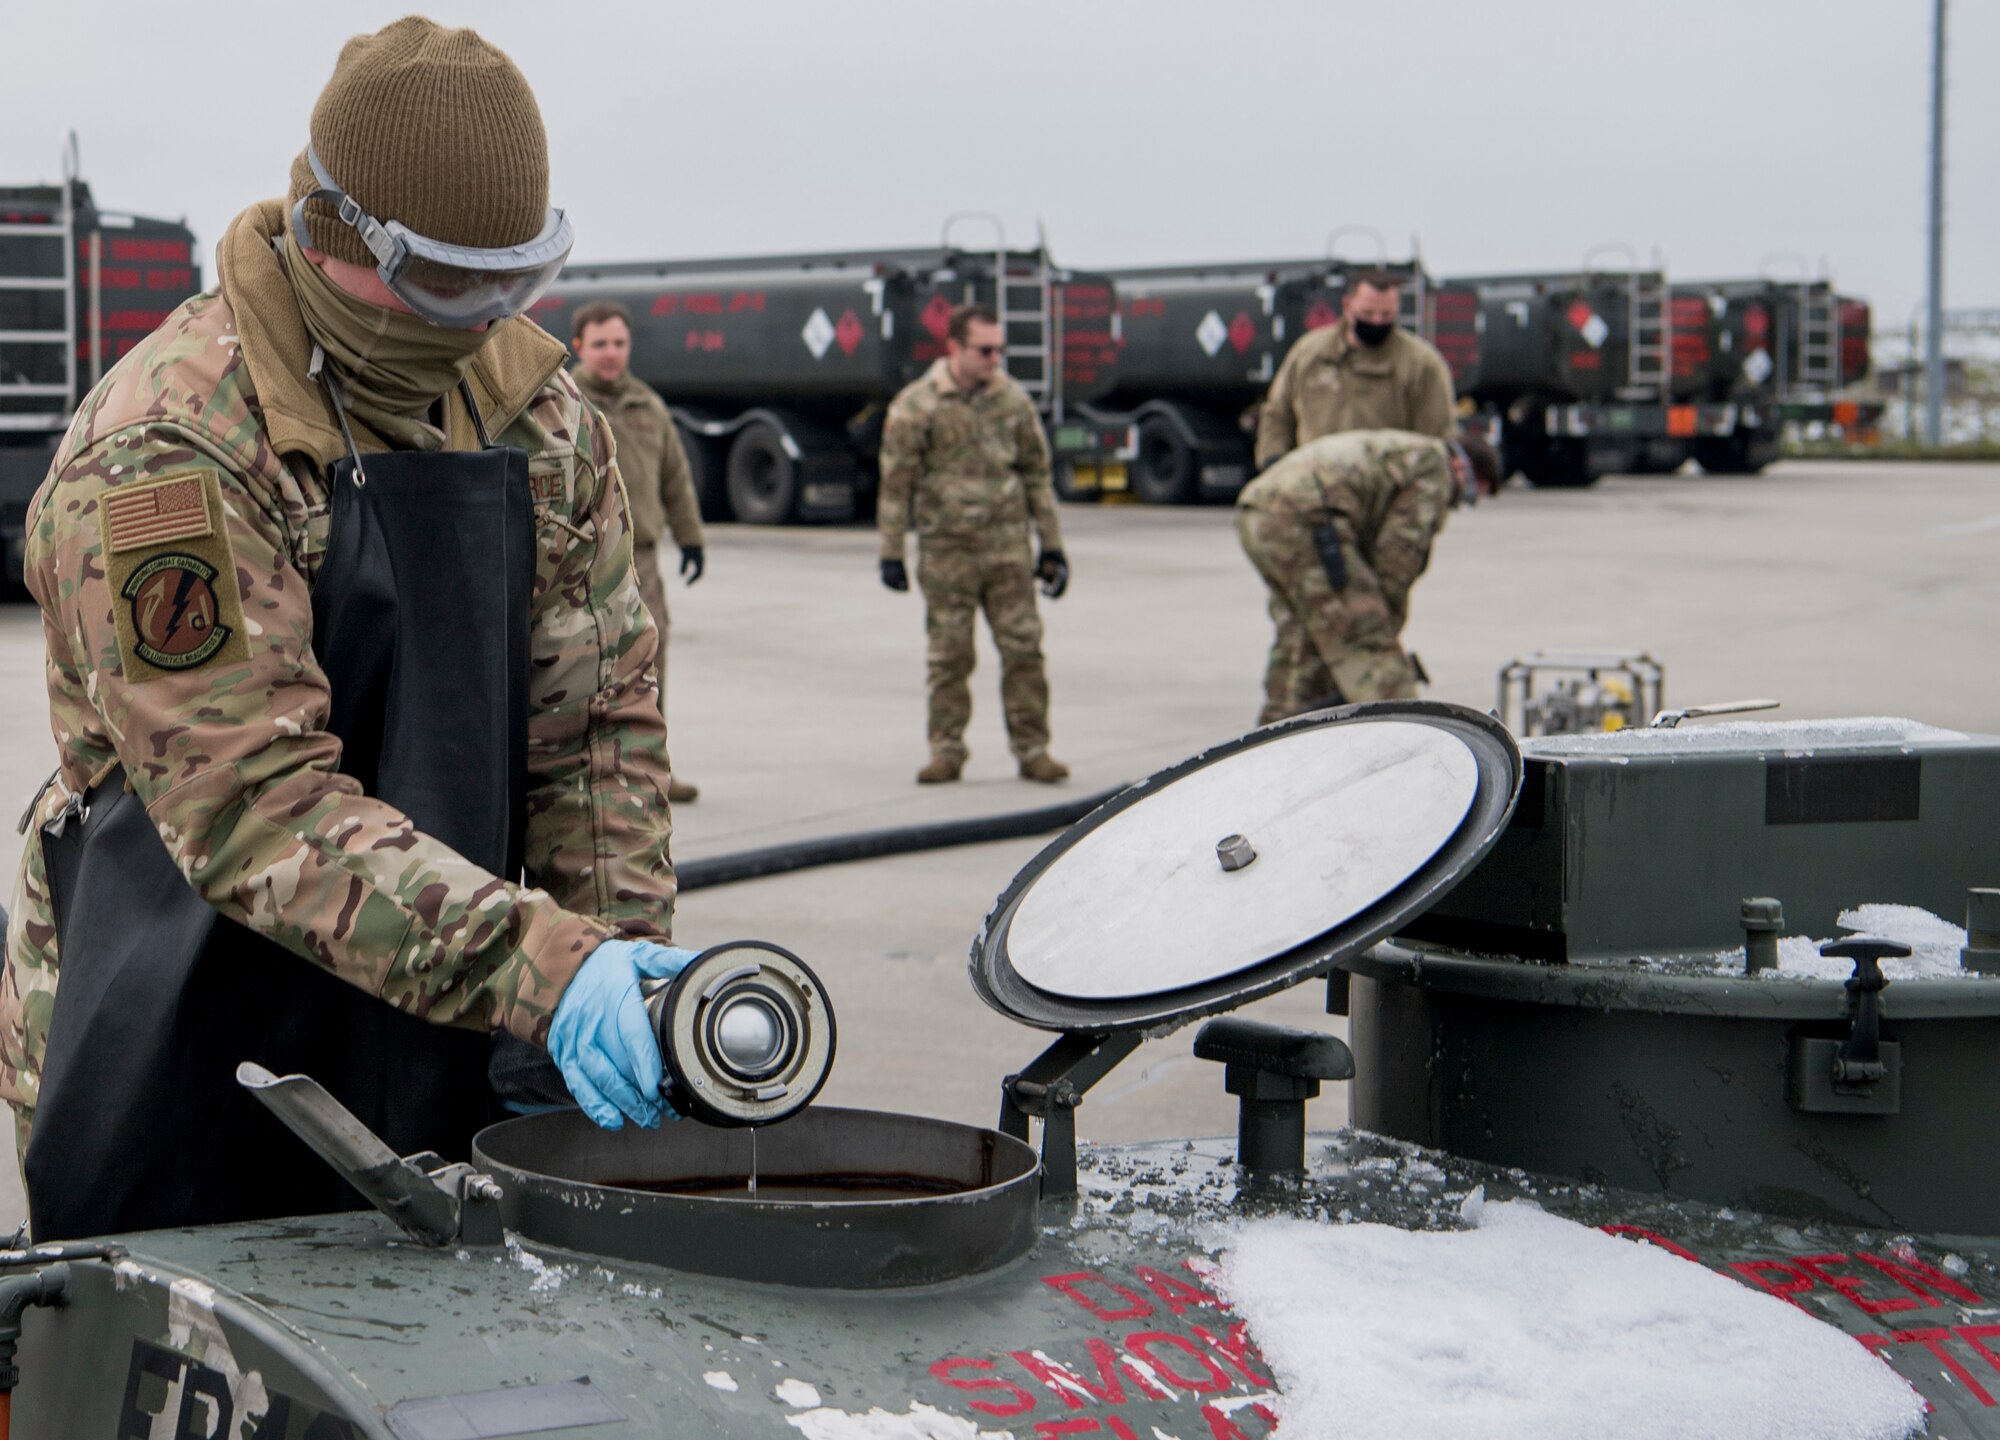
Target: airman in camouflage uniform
{"type": "Point", "coordinates": [1384, 494]}
{"type": "Point", "coordinates": [965, 464]}
{"type": "Point", "coordinates": [1364, 373]}
{"type": "Point", "coordinates": [658, 483]}
{"type": "Point", "coordinates": [231, 755]}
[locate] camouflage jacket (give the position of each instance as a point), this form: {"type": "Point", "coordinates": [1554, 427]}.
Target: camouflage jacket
{"type": "Point", "coordinates": [1328, 385]}
{"type": "Point", "coordinates": [1389, 490]}
{"type": "Point", "coordinates": [658, 484]}
{"type": "Point", "coordinates": [962, 467]}
{"type": "Point", "coordinates": [230, 753]}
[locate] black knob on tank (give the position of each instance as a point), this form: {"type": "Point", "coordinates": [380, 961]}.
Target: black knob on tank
{"type": "Point", "coordinates": [747, 1034]}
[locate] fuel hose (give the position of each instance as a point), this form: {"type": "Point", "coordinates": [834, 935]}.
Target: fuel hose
{"type": "Point", "coordinates": [876, 844]}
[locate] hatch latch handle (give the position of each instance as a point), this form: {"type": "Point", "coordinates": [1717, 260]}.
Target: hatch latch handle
{"type": "Point", "coordinates": [1273, 1070]}
{"type": "Point", "coordinates": [1859, 1062]}
{"type": "Point", "coordinates": [435, 1203]}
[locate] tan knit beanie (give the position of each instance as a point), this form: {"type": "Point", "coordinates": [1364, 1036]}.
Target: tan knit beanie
{"type": "Point", "coordinates": [434, 128]}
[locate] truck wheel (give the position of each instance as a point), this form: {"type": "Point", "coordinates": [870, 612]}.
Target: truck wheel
{"type": "Point", "coordinates": [763, 480]}
{"type": "Point", "coordinates": [1560, 467]}
{"type": "Point", "coordinates": [1729, 456]}
{"type": "Point", "coordinates": [1062, 476]}
{"type": "Point", "coordinates": [1163, 471]}
{"type": "Point", "coordinates": [705, 474]}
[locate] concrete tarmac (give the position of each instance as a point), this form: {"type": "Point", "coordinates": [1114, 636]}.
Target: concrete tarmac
{"type": "Point", "coordinates": [797, 706]}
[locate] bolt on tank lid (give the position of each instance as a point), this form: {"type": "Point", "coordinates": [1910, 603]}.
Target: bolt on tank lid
{"type": "Point", "coordinates": [1248, 868]}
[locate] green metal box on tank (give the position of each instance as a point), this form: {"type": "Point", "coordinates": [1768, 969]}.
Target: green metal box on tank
{"type": "Point", "coordinates": [571, 1281]}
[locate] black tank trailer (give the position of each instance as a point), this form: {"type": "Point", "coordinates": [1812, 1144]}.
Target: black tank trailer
{"type": "Point", "coordinates": [79, 287]}
{"type": "Point", "coordinates": [1597, 370]}
{"type": "Point", "coordinates": [780, 368]}
{"type": "Point", "coordinates": [892, 1275]}
{"type": "Point", "coordinates": [1200, 344]}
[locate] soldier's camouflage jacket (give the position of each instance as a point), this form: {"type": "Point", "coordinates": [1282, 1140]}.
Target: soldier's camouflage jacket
{"type": "Point", "coordinates": [1389, 491]}
{"type": "Point", "coordinates": [1328, 385]}
{"type": "Point", "coordinates": [964, 467]}
{"type": "Point", "coordinates": [177, 451]}
{"type": "Point", "coordinates": [659, 486]}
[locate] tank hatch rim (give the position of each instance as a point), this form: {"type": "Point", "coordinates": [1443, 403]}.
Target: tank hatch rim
{"type": "Point", "coordinates": [1498, 787]}
{"type": "Point", "coordinates": [874, 1243]}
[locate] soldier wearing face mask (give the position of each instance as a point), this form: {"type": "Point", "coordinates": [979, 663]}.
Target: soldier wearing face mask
{"type": "Point", "coordinates": [1364, 373]}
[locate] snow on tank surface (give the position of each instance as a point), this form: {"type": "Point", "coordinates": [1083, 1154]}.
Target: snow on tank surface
{"type": "Point", "coordinates": [1934, 945]}
{"type": "Point", "coordinates": [1787, 737]}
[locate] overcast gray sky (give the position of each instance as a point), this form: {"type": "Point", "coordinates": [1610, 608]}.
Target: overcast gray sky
{"type": "Point", "coordinates": [1505, 135]}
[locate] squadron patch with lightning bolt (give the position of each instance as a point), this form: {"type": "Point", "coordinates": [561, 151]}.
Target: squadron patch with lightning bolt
{"type": "Point", "coordinates": [172, 577]}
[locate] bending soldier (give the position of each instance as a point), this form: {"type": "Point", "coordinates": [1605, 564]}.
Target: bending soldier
{"type": "Point", "coordinates": [361, 756]}
{"type": "Point", "coordinates": [651, 461]}
{"type": "Point", "coordinates": [1340, 530]}
{"type": "Point", "coordinates": [964, 462]}
{"type": "Point", "coordinates": [1364, 373]}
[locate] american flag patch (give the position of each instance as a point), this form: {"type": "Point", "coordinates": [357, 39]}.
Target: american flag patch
{"type": "Point", "coordinates": [170, 509]}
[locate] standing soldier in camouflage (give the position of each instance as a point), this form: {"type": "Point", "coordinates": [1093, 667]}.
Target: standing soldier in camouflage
{"type": "Point", "coordinates": [964, 462]}
{"type": "Point", "coordinates": [1364, 373]}
{"type": "Point", "coordinates": [651, 461]}
{"type": "Point", "coordinates": [360, 756]}
{"type": "Point", "coordinates": [1340, 529]}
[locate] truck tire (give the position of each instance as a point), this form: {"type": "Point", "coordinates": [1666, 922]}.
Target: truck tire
{"type": "Point", "coordinates": [1725, 456]}
{"type": "Point", "coordinates": [1062, 476]}
{"type": "Point", "coordinates": [763, 480]}
{"type": "Point", "coordinates": [1163, 471]}
{"type": "Point", "coordinates": [1562, 467]}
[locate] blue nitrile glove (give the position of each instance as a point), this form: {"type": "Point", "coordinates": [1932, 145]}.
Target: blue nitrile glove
{"type": "Point", "coordinates": [602, 1038]}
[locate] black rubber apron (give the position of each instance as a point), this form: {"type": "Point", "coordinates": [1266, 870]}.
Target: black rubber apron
{"type": "Point", "coordinates": [420, 621]}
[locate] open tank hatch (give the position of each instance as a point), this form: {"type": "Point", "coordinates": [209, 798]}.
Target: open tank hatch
{"type": "Point", "coordinates": [846, 1199]}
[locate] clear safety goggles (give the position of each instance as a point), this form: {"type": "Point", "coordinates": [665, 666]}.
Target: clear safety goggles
{"type": "Point", "coordinates": [457, 287]}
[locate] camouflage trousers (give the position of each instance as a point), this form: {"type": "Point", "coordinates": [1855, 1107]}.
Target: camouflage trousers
{"type": "Point", "coordinates": [1331, 645]}
{"type": "Point", "coordinates": [959, 581]}
{"type": "Point", "coordinates": [646, 569]}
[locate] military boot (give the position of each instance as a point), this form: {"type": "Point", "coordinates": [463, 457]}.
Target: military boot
{"type": "Point", "coordinates": [679, 792]}
{"type": "Point", "coordinates": [1044, 768]}
{"type": "Point", "coordinates": [941, 771]}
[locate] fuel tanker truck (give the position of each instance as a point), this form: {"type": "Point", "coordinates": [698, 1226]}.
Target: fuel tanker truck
{"type": "Point", "coordinates": [1200, 344]}
{"type": "Point", "coordinates": [79, 287]}
{"type": "Point", "coordinates": [779, 368]}
{"type": "Point", "coordinates": [1679, 1005]}
{"type": "Point", "coordinates": [1601, 369]}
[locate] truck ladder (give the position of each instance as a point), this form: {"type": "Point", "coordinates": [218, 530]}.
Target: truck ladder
{"type": "Point", "coordinates": [1023, 295]}
{"type": "Point", "coordinates": [61, 232]}
{"type": "Point", "coordinates": [1650, 355]}
{"type": "Point", "coordinates": [1819, 336]}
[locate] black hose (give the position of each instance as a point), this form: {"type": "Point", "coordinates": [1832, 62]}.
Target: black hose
{"type": "Point", "coordinates": [874, 844]}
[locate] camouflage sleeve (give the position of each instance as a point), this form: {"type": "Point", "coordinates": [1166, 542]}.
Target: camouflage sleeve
{"type": "Point", "coordinates": [1432, 405]}
{"type": "Point", "coordinates": [677, 485]}
{"type": "Point", "coordinates": [1031, 449]}
{"type": "Point", "coordinates": [598, 822]}
{"type": "Point", "coordinates": [231, 757]}
{"type": "Point", "coordinates": [1415, 515]}
{"type": "Point", "coordinates": [902, 463]}
{"type": "Point", "coordinates": [1277, 427]}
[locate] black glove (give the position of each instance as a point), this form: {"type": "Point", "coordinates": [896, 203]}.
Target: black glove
{"type": "Point", "coordinates": [1053, 571]}
{"type": "Point", "coordinates": [692, 563]}
{"type": "Point", "coordinates": [895, 575]}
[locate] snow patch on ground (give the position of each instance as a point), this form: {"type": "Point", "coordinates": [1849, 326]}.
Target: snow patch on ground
{"type": "Point", "coordinates": [1533, 1326]}
{"type": "Point", "coordinates": [920, 1422]}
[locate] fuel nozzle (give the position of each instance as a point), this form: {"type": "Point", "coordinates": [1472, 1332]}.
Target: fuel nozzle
{"type": "Point", "coordinates": [747, 1033]}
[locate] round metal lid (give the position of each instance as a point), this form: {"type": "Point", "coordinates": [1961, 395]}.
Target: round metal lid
{"type": "Point", "coordinates": [1249, 867]}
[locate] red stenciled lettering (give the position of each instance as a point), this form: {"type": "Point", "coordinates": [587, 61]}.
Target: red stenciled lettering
{"type": "Point", "coordinates": [1976, 1337]}
{"type": "Point", "coordinates": [1751, 1270]}
{"type": "Point", "coordinates": [1914, 1275]}
{"type": "Point", "coordinates": [1240, 1351]}
{"type": "Point", "coordinates": [1022, 1401]}
{"type": "Point", "coordinates": [1651, 1239]}
{"type": "Point", "coordinates": [666, 304]}
{"type": "Point", "coordinates": [1180, 1297]}
{"type": "Point", "coordinates": [1136, 1307]}
{"type": "Point", "coordinates": [1215, 1378]}
{"type": "Point", "coordinates": [167, 251]}
{"type": "Point", "coordinates": [751, 300]}
{"type": "Point", "coordinates": [1877, 1343]}
{"type": "Point", "coordinates": [707, 303]}
{"type": "Point", "coordinates": [1586, 360]}
{"type": "Point", "coordinates": [117, 277]}
{"type": "Point", "coordinates": [1848, 1287]}
{"type": "Point", "coordinates": [177, 278]}
{"type": "Point", "coordinates": [1222, 1425]}
{"type": "Point", "coordinates": [1933, 1341]}
{"type": "Point", "coordinates": [1076, 1391]}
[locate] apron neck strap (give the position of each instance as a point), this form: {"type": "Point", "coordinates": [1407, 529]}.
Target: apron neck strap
{"type": "Point", "coordinates": [472, 409]}
{"type": "Point", "coordinates": [316, 370]}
